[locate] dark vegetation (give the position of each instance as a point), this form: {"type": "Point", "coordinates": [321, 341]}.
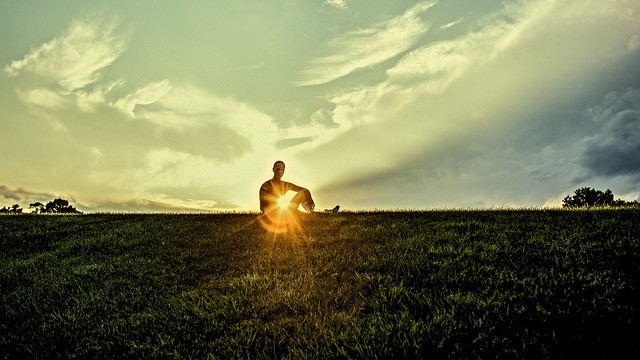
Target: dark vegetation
{"type": "Point", "coordinates": [588, 197]}
{"type": "Point", "coordinates": [442, 284]}
{"type": "Point", "coordinates": [15, 209]}
{"type": "Point", "coordinates": [57, 206]}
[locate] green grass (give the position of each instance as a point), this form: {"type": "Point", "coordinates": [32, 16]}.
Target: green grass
{"type": "Point", "coordinates": [440, 284]}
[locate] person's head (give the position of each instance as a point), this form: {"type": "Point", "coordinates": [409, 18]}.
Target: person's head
{"type": "Point", "coordinates": [278, 169]}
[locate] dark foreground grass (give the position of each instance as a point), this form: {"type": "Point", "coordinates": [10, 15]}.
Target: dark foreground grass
{"type": "Point", "coordinates": [442, 284]}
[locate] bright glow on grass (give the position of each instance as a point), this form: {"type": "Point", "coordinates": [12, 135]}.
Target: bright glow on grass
{"type": "Point", "coordinates": [279, 218]}
{"type": "Point", "coordinates": [282, 203]}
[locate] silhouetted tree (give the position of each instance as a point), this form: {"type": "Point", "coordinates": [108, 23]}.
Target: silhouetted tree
{"type": "Point", "coordinates": [620, 202]}
{"type": "Point", "coordinates": [59, 206]}
{"type": "Point", "coordinates": [15, 209]}
{"type": "Point", "coordinates": [588, 197]}
{"type": "Point", "coordinates": [37, 205]}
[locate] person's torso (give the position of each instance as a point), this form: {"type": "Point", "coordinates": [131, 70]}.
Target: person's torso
{"type": "Point", "coordinates": [276, 188]}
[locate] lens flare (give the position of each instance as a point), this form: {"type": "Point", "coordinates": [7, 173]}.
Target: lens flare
{"type": "Point", "coordinates": [282, 203]}
{"type": "Point", "coordinates": [280, 218]}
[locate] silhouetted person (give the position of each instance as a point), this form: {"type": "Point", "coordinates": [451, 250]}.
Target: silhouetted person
{"type": "Point", "coordinates": [272, 190]}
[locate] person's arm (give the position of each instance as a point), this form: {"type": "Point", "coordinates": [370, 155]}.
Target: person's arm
{"type": "Point", "coordinates": [264, 197]}
{"type": "Point", "coordinates": [298, 189]}
{"type": "Point", "coordinates": [293, 187]}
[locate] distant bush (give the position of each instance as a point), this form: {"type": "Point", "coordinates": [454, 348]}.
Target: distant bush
{"type": "Point", "coordinates": [588, 197]}
{"type": "Point", "coordinates": [57, 206]}
{"type": "Point", "coordinates": [15, 209]}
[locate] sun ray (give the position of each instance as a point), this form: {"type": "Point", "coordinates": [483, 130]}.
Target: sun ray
{"type": "Point", "coordinates": [280, 218]}
{"type": "Point", "coordinates": [282, 202]}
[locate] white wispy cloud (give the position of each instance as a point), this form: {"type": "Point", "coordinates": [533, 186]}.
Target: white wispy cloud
{"type": "Point", "coordinates": [145, 95]}
{"type": "Point", "coordinates": [367, 47]}
{"type": "Point", "coordinates": [74, 59]}
{"type": "Point", "coordinates": [340, 4]}
{"type": "Point", "coordinates": [435, 66]}
{"type": "Point", "coordinates": [42, 97]}
{"type": "Point", "coordinates": [184, 108]}
{"type": "Point", "coordinates": [451, 24]}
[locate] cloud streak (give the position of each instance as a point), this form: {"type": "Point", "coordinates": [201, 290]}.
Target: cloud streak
{"type": "Point", "coordinates": [74, 60]}
{"type": "Point", "coordinates": [340, 4]}
{"type": "Point", "coordinates": [434, 67]}
{"type": "Point", "coordinates": [145, 95]}
{"type": "Point", "coordinates": [160, 205]}
{"type": "Point", "coordinates": [451, 24]}
{"type": "Point", "coordinates": [367, 47]}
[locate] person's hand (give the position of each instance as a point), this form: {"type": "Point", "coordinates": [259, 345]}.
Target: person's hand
{"type": "Point", "coordinates": [309, 206]}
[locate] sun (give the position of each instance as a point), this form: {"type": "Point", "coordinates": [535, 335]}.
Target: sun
{"type": "Point", "coordinates": [279, 218]}
{"type": "Point", "coordinates": [282, 203]}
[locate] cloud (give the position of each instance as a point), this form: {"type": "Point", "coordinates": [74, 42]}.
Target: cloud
{"type": "Point", "coordinates": [634, 44]}
{"type": "Point", "coordinates": [287, 143]}
{"type": "Point", "coordinates": [429, 70]}
{"type": "Point", "coordinates": [448, 94]}
{"type": "Point", "coordinates": [187, 137]}
{"type": "Point", "coordinates": [42, 97]}
{"type": "Point", "coordinates": [162, 204]}
{"type": "Point", "coordinates": [367, 47]}
{"type": "Point", "coordinates": [168, 144]}
{"type": "Point", "coordinates": [162, 134]}
{"type": "Point", "coordinates": [340, 4]}
{"type": "Point", "coordinates": [451, 24]}
{"type": "Point", "coordinates": [20, 194]}
{"type": "Point", "coordinates": [145, 95]}
{"type": "Point", "coordinates": [25, 197]}
{"type": "Point", "coordinates": [478, 174]}
{"type": "Point", "coordinates": [432, 68]}
{"type": "Point", "coordinates": [184, 138]}
{"type": "Point", "coordinates": [616, 149]}
{"type": "Point", "coordinates": [405, 115]}
{"type": "Point", "coordinates": [613, 104]}
{"type": "Point", "coordinates": [185, 117]}
{"type": "Point", "coordinates": [74, 60]}
{"type": "Point", "coordinates": [195, 118]}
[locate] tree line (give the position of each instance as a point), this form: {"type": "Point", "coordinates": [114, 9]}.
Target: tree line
{"type": "Point", "coordinates": [57, 206]}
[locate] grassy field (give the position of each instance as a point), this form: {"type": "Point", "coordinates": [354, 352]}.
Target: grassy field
{"type": "Point", "coordinates": [440, 284]}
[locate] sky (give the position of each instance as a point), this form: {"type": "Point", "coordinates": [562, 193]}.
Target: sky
{"type": "Point", "coordinates": [184, 106]}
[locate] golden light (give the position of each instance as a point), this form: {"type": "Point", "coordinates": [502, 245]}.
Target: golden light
{"type": "Point", "coordinates": [283, 203]}
{"type": "Point", "coordinates": [279, 218]}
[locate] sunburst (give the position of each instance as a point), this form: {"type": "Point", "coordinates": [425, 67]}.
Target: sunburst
{"type": "Point", "coordinates": [279, 218]}
{"type": "Point", "coordinates": [282, 203]}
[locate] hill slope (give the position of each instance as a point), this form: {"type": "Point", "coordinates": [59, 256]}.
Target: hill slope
{"type": "Point", "coordinates": [366, 285]}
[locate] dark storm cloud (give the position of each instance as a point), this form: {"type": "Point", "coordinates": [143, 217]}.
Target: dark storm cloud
{"type": "Point", "coordinates": [20, 195]}
{"type": "Point", "coordinates": [616, 149]}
